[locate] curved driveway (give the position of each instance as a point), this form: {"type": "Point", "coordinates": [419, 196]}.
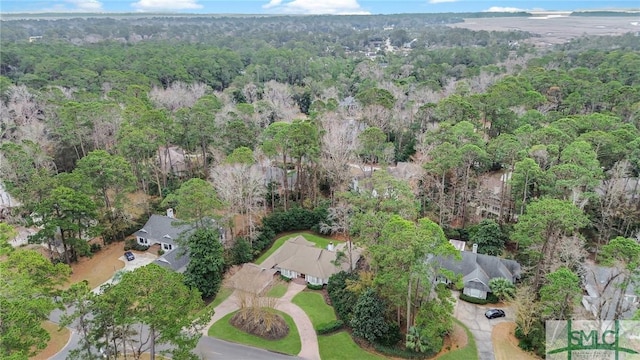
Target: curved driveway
{"type": "Point", "coordinates": [473, 317]}
{"type": "Point", "coordinates": [308, 339]}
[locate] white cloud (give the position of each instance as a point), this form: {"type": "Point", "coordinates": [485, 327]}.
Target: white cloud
{"type": "Point", "coordinates": [73, 6]}
{"type": "Point", "coordinates": [151, 5]}
{"type": "Point", "coordinates": [334, 7]}
{"type": "Point", "coordinates": [272, 3]}
{"type": "Point", "coordinates": [504, 9]}
{"type": "Point", "coordinates": [86, 5]}
{"type": "Point", "coordinates": [441, 1]}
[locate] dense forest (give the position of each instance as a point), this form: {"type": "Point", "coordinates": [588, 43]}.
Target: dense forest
{"type": "Point", "coordinates": [393, 127]}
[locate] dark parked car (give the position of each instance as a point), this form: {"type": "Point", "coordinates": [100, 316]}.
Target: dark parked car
{"type": "Point", "coordinates": [129, 255]}
{"type": "Point", "coordinates": [494, 313]}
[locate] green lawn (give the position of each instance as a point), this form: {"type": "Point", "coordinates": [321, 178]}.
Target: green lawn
{"type": "Point", "coordinates": [221, 296]}
{"type": "Point", "coordinates": [469, 352]}
{"type": "Point", "coordinates": [313, 304]}
{"type": "Point", "coordinates": [277, 291]}
{"type": "Point", "coordinates": [318, 240]}
{"type": "Point", "coordinates": [340, 346]}
{"type": "Point", "coordinates": [290, 345]}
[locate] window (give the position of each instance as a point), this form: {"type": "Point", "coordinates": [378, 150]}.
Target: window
{"type": "Point", "coordinates": [167, 247]}
{"type": "Point", "coordinates": [143, 241]}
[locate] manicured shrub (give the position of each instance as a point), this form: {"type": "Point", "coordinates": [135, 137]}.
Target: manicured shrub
{"type": "Point", "coordinates": [368, 320]}
{"type": "Point", "coordinates": [342, 299]}
{"type": "Point", "coordinates": [399, 353]}
{"type": "Point", "coordinates": [315, 287]}
{"type": "Point", "coordinates": [329, 327]}
{"type": "Point", "coordinates": [132, 244]}
{"type": "Point", "coordinates": [95, 248]}
{"type": "Point", "coordinates": [491, 299]}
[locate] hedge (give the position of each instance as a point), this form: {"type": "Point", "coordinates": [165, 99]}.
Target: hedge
{"type": "Point", "coordinates": [132, 244]}
{"type": "Point", "coordinates": [491, 299]}
{"type": "Point", "coordinates": [342, 299]}
{"type": "Point", "coordinates": [291, 220]}
{"type": "Point", "coordinates": [329, 327]}
{"type": "Point", "coordinates": [399, 353]}
{"type": "Point", "coordinates": [315, 287]}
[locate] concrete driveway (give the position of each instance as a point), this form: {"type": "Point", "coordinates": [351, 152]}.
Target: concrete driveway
{"type": "Point", "coordinates": [473, 317]}
{"type": "Point", "coordinates": [141, 259]}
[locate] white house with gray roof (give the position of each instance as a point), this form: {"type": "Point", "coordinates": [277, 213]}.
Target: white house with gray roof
{"type": "Point", "coordinates": [165, 230]}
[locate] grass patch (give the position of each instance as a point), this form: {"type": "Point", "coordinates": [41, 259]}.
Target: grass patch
{"type": "Point", "coordinates": [341, 346]}
{"type": "Point", "coordinates": [277, 291]}
{"type": "Point", "coordinates": [321, 242]}
{"type": "Point", "coordinates": [290, 345]}
{"type": "Point", "coordinates": [469, 352]}
{"type": "Point", "coordinates": [313, 304]}
{"type": "Point", "coordinates": [56, 343]}
{"type": "Point", "coordinates": [221, 296]}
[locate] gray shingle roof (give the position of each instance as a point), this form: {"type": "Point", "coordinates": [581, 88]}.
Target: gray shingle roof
{"type": "Point", "coordinates": [478, 269]}
{"type": "Point", "coordinates": [163, 229]}
{"type": "Point", "coordinates": [174, 260]}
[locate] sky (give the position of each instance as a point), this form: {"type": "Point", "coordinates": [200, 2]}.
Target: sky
{"type": "Point", "coordinates": [307, 6]}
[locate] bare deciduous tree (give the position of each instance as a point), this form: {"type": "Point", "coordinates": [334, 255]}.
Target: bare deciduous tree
{"type": "Point", "coordinates": [178, 95]}
{"type": "Point", "coordinates": [339, 144]}
{"type": "Point", "coordinates": [526, 308]}
{"type": "Point", "coordinates": [280, 98]}
{"type": "Point", "coordinates": [242, 188]}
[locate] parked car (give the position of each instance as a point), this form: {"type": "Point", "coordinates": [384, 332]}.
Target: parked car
{"type": "Point", "coordinates": [494, 313]}
{"type": "Point", "coordinates": [129, 255]}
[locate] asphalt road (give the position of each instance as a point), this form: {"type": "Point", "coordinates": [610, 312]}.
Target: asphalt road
{"type": "Point", "coordinates": [208, 348]}
{"type": "Point", "coordinates": [211, 348]}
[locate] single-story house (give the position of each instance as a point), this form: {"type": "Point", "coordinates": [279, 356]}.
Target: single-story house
{"type": "Point", "coordinates": [605, 299]}
{"type": "Point", "coordinates": [478, 269]}
{"type": "Point", "coordinates": [300, 258]}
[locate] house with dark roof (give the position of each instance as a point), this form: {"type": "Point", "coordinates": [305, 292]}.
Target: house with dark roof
{"type": "Point", "coordinates": [165, 230]}
{"type": "Point", "coordinates": [477, 270]}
